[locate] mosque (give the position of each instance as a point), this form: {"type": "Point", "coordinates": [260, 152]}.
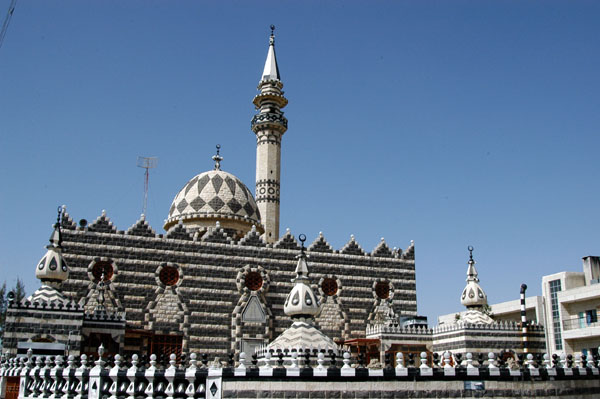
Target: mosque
{"type": "Point", "coordinates": [217, 279]}
{"type": "Point", "coordinates": [222, 278]}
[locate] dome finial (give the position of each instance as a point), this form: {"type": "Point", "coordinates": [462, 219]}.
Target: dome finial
{"type": "Point", "coordinates": [217, 158]}
{"type": "Point", "coordinates": [302, 238]}
{"type": "Point", "coordinates": [55, 238]}
{"type": "Point", "coordinates": [470, 248]}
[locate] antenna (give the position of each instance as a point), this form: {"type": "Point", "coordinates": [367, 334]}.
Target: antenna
{"type": "Point", "coordinates": [146, 163]}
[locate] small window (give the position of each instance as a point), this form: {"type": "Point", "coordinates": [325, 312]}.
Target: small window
{"type": "Point", "coordinates": [382, 289]}
{"type": "Point", "coordinates": [102, 267]}
{"type": "Point", "coordinates": [329, 286]}
{"type": "Point", "coordinates": [169, 275]}
{"type": "Point", "coordinates": [253, 281]}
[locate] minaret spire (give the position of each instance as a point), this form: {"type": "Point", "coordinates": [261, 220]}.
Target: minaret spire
{"type": "Point", "coordinates": [271, 71]}
{"type": "Point", "coordinates": [269, 125]}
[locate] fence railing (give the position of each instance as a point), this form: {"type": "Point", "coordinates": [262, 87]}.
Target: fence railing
{"type": "Point", "coordinates": [197, 377]}
{"type": "Point", "coordinates": [578, 322]}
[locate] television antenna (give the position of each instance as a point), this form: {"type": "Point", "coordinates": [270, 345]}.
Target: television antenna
{"type": "Point", "coordinates": [146, 163]}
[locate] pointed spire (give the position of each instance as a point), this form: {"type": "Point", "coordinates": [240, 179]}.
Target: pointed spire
{"type": "Point", "coordinates": [302, 266]}
{"type": "Point", "coordinates": [55, 237]}
{"type": "Point", "coordinates": [271, 70]}
{"type": "Point", "coordinates": [473, 295]}
{"type": "Point", "coordinates": [52, 268]}
{"type": "Point", "coordinates": [302, 301]}
{"type": "Point", "coordinates": [471, 271]}
{"type": "Point", "coordinates": [217, 158]}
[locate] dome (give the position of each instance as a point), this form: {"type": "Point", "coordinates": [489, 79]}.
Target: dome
{"type": "Point", "coordinates": [215, 196]}
{"type": "Point", "coordinates": [473, 295]}
{"type": "Point", "coordinates": [302, 301]}
{"type": "Point", "coordinates": [52, 268]}
{"type": "Point", "coordinates": [303, 334]}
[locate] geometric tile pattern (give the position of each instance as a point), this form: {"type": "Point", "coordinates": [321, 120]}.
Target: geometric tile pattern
{"type": "Point", "coordinates": [215, 294]}
{"type": "Point", "coordinates": [47, 294]}
{"type": "Point", "coordinates": [214, 193]}
{"type": "Point", "coordinates": [303, 335]}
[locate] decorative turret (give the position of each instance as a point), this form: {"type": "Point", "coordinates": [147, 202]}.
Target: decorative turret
{"type": "Point", "coordinates": [269, 125]}
{"type": "Point", "coordinates": [473, 296]}
{"type": "Point", "coordinates": [302, 306]}
{"type": "Point", "coordinates": [52, 269]}
{"type": "Point", "coordinates": [301, 301]}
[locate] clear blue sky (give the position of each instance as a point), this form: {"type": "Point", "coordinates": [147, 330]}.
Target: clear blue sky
{"type": "Point", "coordinates": [451, 123]}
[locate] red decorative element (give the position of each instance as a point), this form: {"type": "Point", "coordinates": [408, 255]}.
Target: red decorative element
{"type": "Point", "coordinates": [329, 286]}
{"type": "Point", "coordinates": [382, 289]}
{"type": "Point", "coordinates": [253, 281]}
{"type": "Point", "coordinates": [102, 267]}
{"type": "Point", "coordinates": [169, 275]}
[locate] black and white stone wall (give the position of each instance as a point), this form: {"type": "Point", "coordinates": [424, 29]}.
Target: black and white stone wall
{"type": "Point", "coordinates": [206, 302]}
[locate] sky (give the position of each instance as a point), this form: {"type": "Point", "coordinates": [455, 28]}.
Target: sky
{"type": "Point", "coordinates": [450, 123]}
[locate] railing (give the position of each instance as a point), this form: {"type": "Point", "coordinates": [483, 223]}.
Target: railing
{"type": "Point", "coordinates": [577, 322]}
{"type": "Point", "coordinates": [140, 378]}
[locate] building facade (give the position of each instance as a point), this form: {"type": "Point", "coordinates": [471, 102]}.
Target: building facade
{"type": "Point", "coordinates": [572, 304]}
{"type": "Point", "coordinates": [216, 280]}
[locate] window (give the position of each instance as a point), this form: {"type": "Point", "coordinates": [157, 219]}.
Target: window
{"type": "Point", "coordinates": [169, 275]}
{"type": "Point", "coordinates": [102, 267]}
{"type": "Point", "coordinates": [253, 281]}
{"type": "Point", "coordinates": [591, 316]}
{"type": "Point", "coordinates": [382, 289]}
{"type": "Point", "coordinates": [329, 286]}
{"type": "Point", "coordinates": [555, 287]}
{"type": "Point", "coordinates": [165, 345]}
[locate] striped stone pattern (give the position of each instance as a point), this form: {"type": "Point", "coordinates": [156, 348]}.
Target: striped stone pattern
{"type": "Point", "coordinates": [24, 321]}
{"type": "Point", "coordinates": [524, 320]}
{"type": "Point", "coordinates": [209, 273]}
{"type": "Point", "coordinates": [487, 338]}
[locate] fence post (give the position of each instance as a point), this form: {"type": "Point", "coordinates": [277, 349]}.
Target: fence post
{"type": "Point", "coordinates": [95, 381]}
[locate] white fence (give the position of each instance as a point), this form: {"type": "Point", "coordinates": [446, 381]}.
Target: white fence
{"type": "Point", "coordinates": [80, 378]}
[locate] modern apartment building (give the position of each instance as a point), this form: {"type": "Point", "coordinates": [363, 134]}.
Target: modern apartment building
{"type": "Point", "coordinates": [572, 303]}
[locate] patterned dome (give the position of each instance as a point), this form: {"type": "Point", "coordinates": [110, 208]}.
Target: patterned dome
{"type": "Point", "coordinates": [473, 295]}
{"type": "Point", "coordinates": [52, 268]}
{"type": "Point", "coordinates": [215, 196]}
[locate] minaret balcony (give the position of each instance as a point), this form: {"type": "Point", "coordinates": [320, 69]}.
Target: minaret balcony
{"type": "Point", "coordinates": [272, 97]}
{"type": "Point", "coordinates": [277, 121]}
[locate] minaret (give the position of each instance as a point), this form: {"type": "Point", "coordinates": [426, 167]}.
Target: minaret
{"type": "Point", "coordinates": [269, 125]}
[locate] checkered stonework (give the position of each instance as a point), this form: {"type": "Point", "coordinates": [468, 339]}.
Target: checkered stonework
{"type": "Point", "coordinates": [210, 306]}
{"type": "Point", "coordinates": [214, 193]}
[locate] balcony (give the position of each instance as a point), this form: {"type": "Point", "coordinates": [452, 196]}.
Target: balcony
{"type": "Point", "coordinates": [580, 328]}
{"type": "Point", "coordinates": [576, 322]}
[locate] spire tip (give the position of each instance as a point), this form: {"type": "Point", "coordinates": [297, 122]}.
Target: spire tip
{"type": "Point", "coordinates": [217, 158]}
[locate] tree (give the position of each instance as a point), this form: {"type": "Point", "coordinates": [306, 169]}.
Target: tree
{"type": "Point", "coordinates": [3, 304]}
{"type": "Point", "coordinates": [18, 290]}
